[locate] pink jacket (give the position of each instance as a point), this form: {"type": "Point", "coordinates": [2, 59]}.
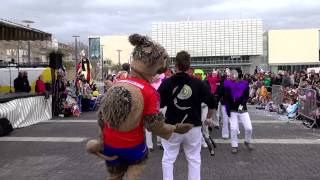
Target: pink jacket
{"type": "Point", "coordinates": [213, 83]}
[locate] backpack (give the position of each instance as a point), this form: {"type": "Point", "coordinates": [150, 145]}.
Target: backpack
{"type": "Point", "coordinates": [5, 127]}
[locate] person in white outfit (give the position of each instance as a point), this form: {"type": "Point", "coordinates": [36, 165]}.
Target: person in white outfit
{"type": "Point", "coordinates": [236, 94]}
{"type": "Point", "coordinates": [183, 95]}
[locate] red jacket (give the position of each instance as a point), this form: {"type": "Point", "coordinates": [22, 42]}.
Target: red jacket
{"type": "Point", "coordinates": [213, 80]}
{"type": "Point", "coordinates": [40, 87]}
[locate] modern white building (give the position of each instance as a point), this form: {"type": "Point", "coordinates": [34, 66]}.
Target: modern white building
{"type": "Point", "coordinates": [214, 43]}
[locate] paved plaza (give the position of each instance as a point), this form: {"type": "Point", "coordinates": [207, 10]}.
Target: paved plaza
{"type": "Point", "coordinates": [54, 150]}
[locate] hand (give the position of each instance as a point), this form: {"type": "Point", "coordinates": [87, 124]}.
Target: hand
{"type": "Point", "coordinates": [183, 128]}
{"type": "Point", "coordinates": [209, 122]}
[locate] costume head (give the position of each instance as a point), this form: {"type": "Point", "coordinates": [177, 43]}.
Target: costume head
{"type": "Point", "coordinates": [149, 57]}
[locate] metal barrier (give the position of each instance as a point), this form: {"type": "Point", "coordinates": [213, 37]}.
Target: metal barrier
{"type": "Point", "coordinates": [308, 103]}
{"type": "Point", "coordinates": [277, 94]}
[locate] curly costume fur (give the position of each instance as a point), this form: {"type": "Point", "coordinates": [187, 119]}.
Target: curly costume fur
{"type": "Point", "coordinates": [124, 115]}
{"type": "Point", "coordinates": [117, 106]}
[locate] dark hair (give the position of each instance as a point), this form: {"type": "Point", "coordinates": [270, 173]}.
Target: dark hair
{"type": "Point", "coordinates": [183, 60]}
{"type": "Point", "coordinates": [109, 77]}
{"type": "Point", "coordinates": [240, 74]}
{"type": "Point", "coordinates": [126, 67]}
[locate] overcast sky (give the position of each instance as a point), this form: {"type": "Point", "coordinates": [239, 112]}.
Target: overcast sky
{"type": "Point", "coordinates": [64, 18]}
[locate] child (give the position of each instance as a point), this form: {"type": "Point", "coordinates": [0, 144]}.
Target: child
{"type": "Point", "coordinates": [292, 108]}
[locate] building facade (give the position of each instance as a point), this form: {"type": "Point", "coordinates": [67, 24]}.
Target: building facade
{"type": "Point", "coordinates": [214, 43]}
{"type": "Point", "coordinates": [293, 49]}
{"type": "Point", "coordinates": [114, 49]}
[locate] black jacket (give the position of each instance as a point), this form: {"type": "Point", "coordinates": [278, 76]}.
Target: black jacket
{"type": "Point", "coordinates": [21, 85]}
{"type": "Point", "coordinates": [187, 104]}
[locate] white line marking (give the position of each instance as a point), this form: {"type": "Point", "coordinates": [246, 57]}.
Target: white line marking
{"type": "Point", "coordinates": [95, 121]}
{"type": "Point", "coordinates": [274, 141]}
{"type": "Point", "coordinates": [275, 122]}
{"type": "Point", "coordinates": [43, 139]}
{"type": "Point", "coordinates": [71, 121]}
{"type": "Point", "coordinates": [218, 141]}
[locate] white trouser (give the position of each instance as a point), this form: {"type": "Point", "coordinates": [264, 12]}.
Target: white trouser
{"type": "Point", "coordinates": [149, 134]}
{"type": "Point", "coordinates": [218, 113]}
{"type": "Point", "coordinates": [204, 112]}
{"type": "Point", "coordinates": [149, 139]}
{"type": "Point", "coordinates": [234, 127]}
{"type": "Point", "coordinates": [191, 143]}
{"type": "Point", "coordinates": [225, 122]}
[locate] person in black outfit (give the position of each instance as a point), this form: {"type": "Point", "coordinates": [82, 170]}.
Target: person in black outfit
{"type": "Point", "coordinates": [21, 83]}
{"type": "Point", "coordinates": [183, 95]}
{"type": "Point", "coordinates": [26, 85]}
{"type": "Point", "coordinates": [235, 96]}
{"type": "Point", "coordinates": [18, 83]}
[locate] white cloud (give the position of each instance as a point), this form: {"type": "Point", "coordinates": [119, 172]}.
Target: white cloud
{"type": "Point", "coordinates": [64, 18]}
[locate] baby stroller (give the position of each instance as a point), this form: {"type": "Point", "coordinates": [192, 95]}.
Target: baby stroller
{"type": "Point", "coordinates": [71, 107]}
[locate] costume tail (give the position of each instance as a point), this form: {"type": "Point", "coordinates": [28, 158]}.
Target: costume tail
{"type": "Point", "coordinates": [93, 147]}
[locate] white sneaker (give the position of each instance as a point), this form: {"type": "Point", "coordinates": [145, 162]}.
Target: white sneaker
{"type": "Point", "coordinates": [204, 145]}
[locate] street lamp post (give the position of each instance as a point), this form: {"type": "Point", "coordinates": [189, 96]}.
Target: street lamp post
{"type": "Point", "coordinates": [76, 49]}
{"type": "Point", "coordinates": [102, 76]}
{"type": "Point", "coordinates": [119, 64]}
{"type": "Point", "coordinates": [28, 22]}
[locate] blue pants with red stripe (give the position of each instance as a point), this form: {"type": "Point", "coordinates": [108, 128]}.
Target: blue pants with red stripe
{"type": "Point", "coordinates": [126, 156]}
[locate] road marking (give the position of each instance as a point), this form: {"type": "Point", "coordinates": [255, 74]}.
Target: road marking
{"type": "Point", "coordinates": [43, 139]}
{"type": "Point", "coordinates": [273, 141]}
{"type": "Point", "coordinates": [95, 121]}
{"type": "Point", "coordinates": [71, 121]}
{"type": "Point", "coordinates": [218, 141]}
{"type": "Point", "coordinates": [275, 122]}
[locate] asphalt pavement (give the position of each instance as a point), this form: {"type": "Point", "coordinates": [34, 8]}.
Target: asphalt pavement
{"type": "Point", "coordinates": [54, 150]}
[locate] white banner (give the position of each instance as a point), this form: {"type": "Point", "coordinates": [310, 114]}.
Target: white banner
{"type": "Point", "coordinates": [24, 112]}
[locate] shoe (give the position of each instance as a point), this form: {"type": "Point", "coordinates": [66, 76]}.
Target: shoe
{"type": "Point", "coordinates": [216, 127]}
{"type": "Point", "coordinates": [225, 138]}
{"type": "Point", "coordinates": [249, 146]}
{"type": "Point", "coordinates": [234, 150]}
{"type": "Point", "coordinates": [204, 145]}
{"type": "Point", "coordinates": [150, 149]}
{"type": "Point", "coordinates": [160, 146]}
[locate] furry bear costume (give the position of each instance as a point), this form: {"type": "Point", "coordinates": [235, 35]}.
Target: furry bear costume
{"type": "Point", "coordinates": [130, 106]}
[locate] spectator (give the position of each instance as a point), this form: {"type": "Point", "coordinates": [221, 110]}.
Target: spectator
{"type": "Point", "coordinates": [18, 82]}
{"type": "Point", "coordinates": [267, 82]}
{"type": "Point", "coordinates": [213, 81]}
{"type": "Point", "coordinates": [123, 74]}
{"type": "Point", "coordinates": [108, 82]}
{"type": "Point", "coordinates": [40, 86]}
{"type": "Point", "coordinates": [26, 86]}
{"type": "Point", "coordinates": [126, 67]}
{"type": "Point", "coordinates": [292, 108]}
{"type": "Point", "coordinates": [286, 80]}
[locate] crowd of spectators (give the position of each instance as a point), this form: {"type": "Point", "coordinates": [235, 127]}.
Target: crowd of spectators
{"type": "Point", "coordinates": [291, 88]}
